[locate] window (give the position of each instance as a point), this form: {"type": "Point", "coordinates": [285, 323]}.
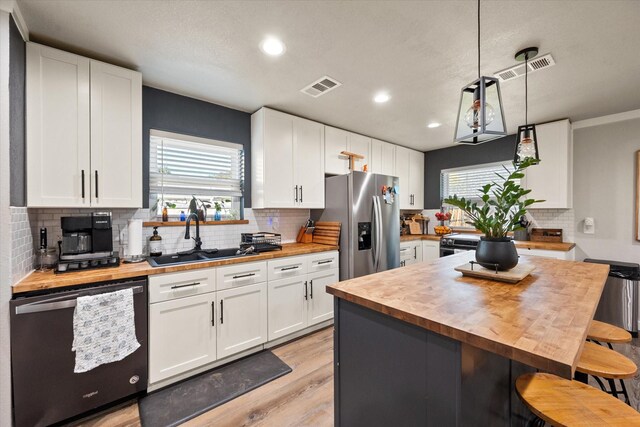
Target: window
{"type": "Point", "coordinates": [466, 181]}
{"type": "Point", "coordinates": [182, 166]}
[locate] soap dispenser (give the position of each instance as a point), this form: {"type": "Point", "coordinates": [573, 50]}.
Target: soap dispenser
{"type": "Point", "coordinates": [155, 243]}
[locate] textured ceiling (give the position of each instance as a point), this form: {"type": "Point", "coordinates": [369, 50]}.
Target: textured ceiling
{"type": "Point", "coordinates": [421, 52]}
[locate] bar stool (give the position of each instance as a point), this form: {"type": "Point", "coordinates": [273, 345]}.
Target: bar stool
{"type": "Point", "coordinates": [562, 402]}
{"type": "Point", "coordinates": [600, 332]}
{"type": "Point", "coordinates": [601, 362]}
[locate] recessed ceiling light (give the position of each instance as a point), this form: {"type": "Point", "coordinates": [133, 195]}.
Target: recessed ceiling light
{"type": "Point", "coordinates": [381, 97]}
{"type": "Point", "coordinates": [272, 46]}
{"type": "Point", "coordinates": [433, 125]}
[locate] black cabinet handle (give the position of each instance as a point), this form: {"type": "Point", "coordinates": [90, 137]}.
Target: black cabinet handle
{"type": "Point", "coordinates": [244, 275]}
{"type": "Point", "coordinates": [325, 262]}
{"type": "Point", "coordinates": [289, 268]}
{"type": "Point", "coordinates": [221, 311]}
{"type": "Point", "coordinates": [306, 291]}
{"type": "Point", "coordinates": [184, 286]}
{"type": "Point", "coordinates": [301, 194]}
{"type": "Point", "coordinates": [213, 313]}
{"type": "Point", "coordinates": [82, 183]}
{"type": "Point", "coordinates": [415, 252]}
{"type": "Point", "coordinates": [96, 184]}
{"type": "Point", "coordinates": [296, 199]}
{"type": "Point", "coordinates": [311, 285]}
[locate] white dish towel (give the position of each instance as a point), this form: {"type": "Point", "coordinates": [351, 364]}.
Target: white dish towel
{"type": "Point", "coordinates": [104, 329]}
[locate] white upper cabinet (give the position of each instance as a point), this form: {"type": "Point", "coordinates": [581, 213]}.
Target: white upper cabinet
{"type": "Point", "coordinates": [84, 131]}
{"type": "Point", "coordinates": [552, 179]}
{"type": "Point", "coordinates": [286, 158]}
{"type": "Point", "coordinates": [337, 141]}
{"type": "Point", "coordinates": [116, 136]}
{"type": "Point", "coordinates": [409, 168]}
{"type": "Point", "coordinates": [58, 145]}
{"type": "Point", "coordinates": [383, 157]}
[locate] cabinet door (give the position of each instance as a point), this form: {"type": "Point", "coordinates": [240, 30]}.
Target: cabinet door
{"type": "Point", "coordinates": [335, 142]}
{"type": "Point", "coordinates": [430, 250]}
{"type": "Point", "coordinates": [388, 159]}
{"type": "Point", "coordinates": [417, 251]}
{"type": "Point", "coordinates": [406, 253]}
{"type": "Point", "coordinates": [416, 177]}
{"type": "Point", "coordinates": [359, 144]}
{"type": "Point", "coordinates": [552, 179]}
{"type": "Point", "coordinates": [308, 165]}
{"type": "Point", "coordinates": [320, 302]}
{"type": "Point", "coordinates": [242, 318]}
{"type": "Point", "coordinates": [402, 172]}
{"type": "Point", "coordinates": [287, 306]}
{"type": "Point", "coordinates": [278, 182]}
{"type": "Point", "coordinates": [57, 119]}
{"type": "Point", "coordinates": [375, 156]}
{"type": "Point", "coordinates": [181, 335]}
{"type": "Point", "coordinates": [116, 136]}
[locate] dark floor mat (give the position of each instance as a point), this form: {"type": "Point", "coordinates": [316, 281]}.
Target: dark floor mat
{"type": "Point", "coordinates": [180, 402]}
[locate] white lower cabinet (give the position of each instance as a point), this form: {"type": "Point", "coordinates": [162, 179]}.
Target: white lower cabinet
{"type": "Point", "coordinates": [181, 335]}
{"type": "Point", "coordinates": [320, 302]}
{"type": "Point", "coordinates": [430, 250]}
{"type": "Point", "coordinates": [241, 314]}
{"type": "Point", "coordinates": [202, 316]}
{"type": "Point", "coordinates": [565, 255]}
{"type": "Point", "coordinates": [287, 306]}
{"type": "Point", "coordinates": [410, 252]}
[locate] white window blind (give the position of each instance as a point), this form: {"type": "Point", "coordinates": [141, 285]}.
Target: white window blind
{"type": "Point", "coordinates": [195, 166]}
{"type": "Point", "coordinates": [466, 182]}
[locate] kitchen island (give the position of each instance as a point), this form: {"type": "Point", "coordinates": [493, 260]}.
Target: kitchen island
{"type": "Point", "coordinates": [423, 345]}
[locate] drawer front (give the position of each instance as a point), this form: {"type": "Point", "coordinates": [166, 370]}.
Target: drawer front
{"type": "Point", "coordinates": [284, 268]}
{"type": "Point", "coordinates": [165, 287]}
{"type": "Point", "coordinates": [406, 252]}
{"type": "Point", "coordinates": [241, 275]}
{"type": "Point", "coordinates": [322, 262]}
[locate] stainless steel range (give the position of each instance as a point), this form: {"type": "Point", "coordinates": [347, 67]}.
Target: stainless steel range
{"type": "Point", "coordinates": [458, 242]}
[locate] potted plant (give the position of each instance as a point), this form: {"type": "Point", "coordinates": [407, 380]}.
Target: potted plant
{"type": "Point", "coordinates": [502, 207]}
{"type": "Point", "coordinates": [217, 216]}
{"type": "Point", "coordinates": [200, 211]}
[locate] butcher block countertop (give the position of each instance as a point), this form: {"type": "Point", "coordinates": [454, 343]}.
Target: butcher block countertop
{"type": "Point", "coordinates": [48, 280]}
{"type": "Point", "coordinates": [549, 246]}
{"type": "Point", "coordinates": [542, 321]}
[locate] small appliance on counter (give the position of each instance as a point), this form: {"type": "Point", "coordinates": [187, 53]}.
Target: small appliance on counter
{"type": "Point", "coordinates": [87, 243]}
{"type": "Point", "coordinates": [261, 241]}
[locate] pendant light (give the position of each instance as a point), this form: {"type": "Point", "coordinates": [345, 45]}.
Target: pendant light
{"type": "Point", "coordinates": [527, 140]}
{"type": "Point", "coordinates": [480, 115]}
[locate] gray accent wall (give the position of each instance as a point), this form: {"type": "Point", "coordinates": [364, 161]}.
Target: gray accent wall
{"type": "Point", "coordinates": [17, 58]}
{"type": "Point", "coordinates": [170, 112]}
{"type": "Point", "coordinates": [459, 156]}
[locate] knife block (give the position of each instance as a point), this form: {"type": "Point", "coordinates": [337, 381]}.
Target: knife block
{"type": "Point", "coordinates": [303, 237]}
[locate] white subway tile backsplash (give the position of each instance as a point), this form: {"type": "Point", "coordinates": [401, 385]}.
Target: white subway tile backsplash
{"type": "Point", "coordinates": [21, 244]}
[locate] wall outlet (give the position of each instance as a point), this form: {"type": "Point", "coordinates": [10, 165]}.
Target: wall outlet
{"type": "Point", "coordinates": [589, 226]}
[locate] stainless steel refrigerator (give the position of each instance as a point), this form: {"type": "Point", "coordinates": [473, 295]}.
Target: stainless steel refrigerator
{"type": "Point", "coordinates": [369, 210]}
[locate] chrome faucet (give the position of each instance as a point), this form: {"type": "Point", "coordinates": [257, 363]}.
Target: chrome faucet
{"type": "Point", "coordinates": [187, 235]}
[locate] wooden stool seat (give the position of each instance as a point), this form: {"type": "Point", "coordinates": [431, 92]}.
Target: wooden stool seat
{"type": "Point", "coordinates": [602, 362]}
{"type": "Point", "coordinates": [604, 332]}
{"type": "Point", "coordinates": [561, 402]}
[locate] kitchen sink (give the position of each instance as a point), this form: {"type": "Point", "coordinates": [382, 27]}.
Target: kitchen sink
{"type": "Point", "coordinates": [199, 256]}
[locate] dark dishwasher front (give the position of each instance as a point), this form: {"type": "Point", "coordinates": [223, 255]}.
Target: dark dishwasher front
{"type": "Point", "coordinates": [45, 388]}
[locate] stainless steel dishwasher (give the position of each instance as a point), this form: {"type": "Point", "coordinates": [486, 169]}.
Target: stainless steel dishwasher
{"type": "Point", "coordinates": [45, 388]}
{"type": "Point", "coordinates": [619, 303]}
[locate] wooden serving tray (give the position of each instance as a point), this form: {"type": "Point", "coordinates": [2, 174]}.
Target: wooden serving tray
{"type": "Point", "coordinates": [514, 275]}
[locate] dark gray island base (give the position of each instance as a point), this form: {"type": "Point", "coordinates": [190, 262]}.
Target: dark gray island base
{"type": "Point", "coordinates": [391, 373]}
{"type": "Point", "coordinates": [423, 346]}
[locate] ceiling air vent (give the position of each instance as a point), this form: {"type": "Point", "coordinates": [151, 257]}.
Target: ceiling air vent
{"type": "Point", "coordinates": [536, 64]}
{"type": "Point", "coordinates": [321, 86]}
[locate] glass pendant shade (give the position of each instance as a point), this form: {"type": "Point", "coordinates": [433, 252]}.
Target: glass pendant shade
{"type": "Point", "coordinates": [480, 114]}
{"type": "Point", "coordinates": [526, 144]}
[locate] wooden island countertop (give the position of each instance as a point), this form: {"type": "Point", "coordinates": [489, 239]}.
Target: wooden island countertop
{"type": "Point", "coordinates": [37, 280]}
{"type": "Point", "coordinates": [541, 321]}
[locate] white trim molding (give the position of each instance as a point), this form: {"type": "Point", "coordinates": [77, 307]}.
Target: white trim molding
{"type": "Point", "coordinates": [611, 118]}
{"type": "Point", "coordinates": [11, 7]}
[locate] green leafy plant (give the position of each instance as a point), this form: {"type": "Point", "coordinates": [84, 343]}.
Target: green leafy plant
{"type": "Point", "coordinates": [218, 206]}
{"type": "Point", "coordinates": [503, 203]}
{"type": "Point", "coordinates": [170, 205]}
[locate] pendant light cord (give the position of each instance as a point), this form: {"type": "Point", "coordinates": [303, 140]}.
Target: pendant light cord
{"type": "Point", "coordinates": [526, 89]}
{"type": "Point", "coordinates": [478, 39]}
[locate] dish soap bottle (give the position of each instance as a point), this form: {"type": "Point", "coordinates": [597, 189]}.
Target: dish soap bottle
{"type": "Point", "coordinates": [155, 243]}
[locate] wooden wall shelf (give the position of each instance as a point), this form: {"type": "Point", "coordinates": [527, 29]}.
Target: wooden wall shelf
{"type": "Point", "coordinates": [183, 223]}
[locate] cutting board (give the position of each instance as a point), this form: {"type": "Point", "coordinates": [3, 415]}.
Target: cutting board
{"type": "Point", "coordinates": [327, 233]}
{"type": "Point", "coordinates": [515, 275]}
{"type": "Point", "coordinates": [414, 227]}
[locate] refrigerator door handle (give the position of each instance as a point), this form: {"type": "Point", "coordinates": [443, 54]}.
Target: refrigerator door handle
{"type": "Point", "coordinates": [378, 231]}
{"type": "Point", "coordinates": [374, 243]}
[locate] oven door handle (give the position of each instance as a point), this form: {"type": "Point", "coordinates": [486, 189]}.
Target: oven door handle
{"type": "Point", "coordinates": [38, 307]}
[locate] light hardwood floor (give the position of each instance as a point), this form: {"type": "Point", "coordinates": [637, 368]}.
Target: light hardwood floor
{"type": "Point", "coordinates": [303, 397]}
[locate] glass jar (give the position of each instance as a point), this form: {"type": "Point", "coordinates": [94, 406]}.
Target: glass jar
{"type": "Point", "coordinates": [46, 259]}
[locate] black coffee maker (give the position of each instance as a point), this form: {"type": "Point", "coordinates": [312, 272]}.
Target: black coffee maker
{"type": "Point", "coordinates": [87, 242]}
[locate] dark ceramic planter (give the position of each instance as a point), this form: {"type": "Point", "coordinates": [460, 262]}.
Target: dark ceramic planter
{"type": "Point", "coordinates": [500, 252]}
